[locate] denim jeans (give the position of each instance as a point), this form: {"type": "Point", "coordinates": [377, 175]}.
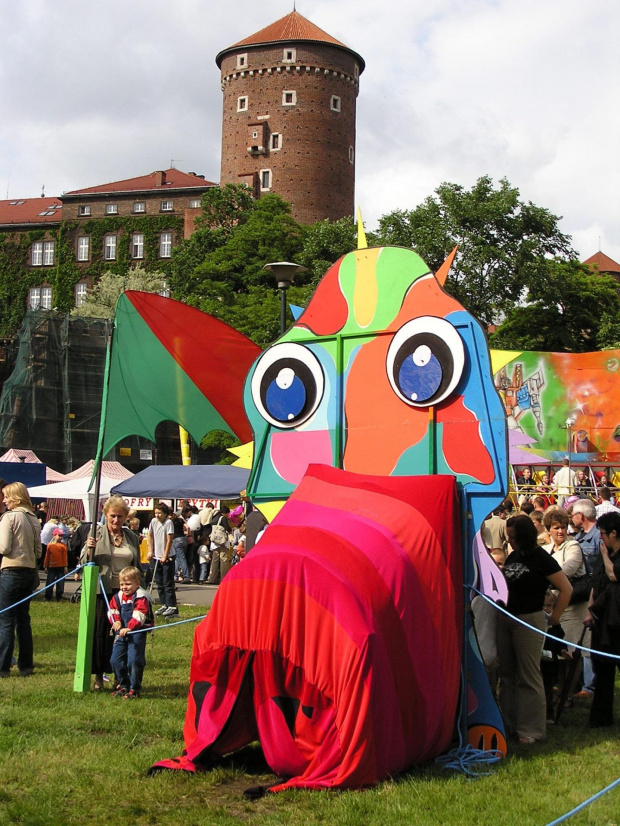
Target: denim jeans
{"type": "Point", "coordinates": [55, 575]}
{"type": "Point", "coordinates": [179, 546]}
{"type": "Point", "coordinates": [15, 584]}
{"type": "Point", "coordinates": [128, 660]}
{"type": "Point", "coordinates": [164, 579]}
{"type": "Point", "coordinates": [204, 571]}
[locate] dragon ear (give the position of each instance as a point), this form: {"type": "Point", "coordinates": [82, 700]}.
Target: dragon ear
{"type": "Point", "coordinates": [442, 272]}
{"type": "Point", "coordinates": [361, 235]}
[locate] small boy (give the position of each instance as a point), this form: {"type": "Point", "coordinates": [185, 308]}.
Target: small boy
{"type": "Point", "coordinates": [55, 563]}
{"type": "Point", "coordinates": [130, 609]}
{"type": "Point", "coordinates": [204, 558]}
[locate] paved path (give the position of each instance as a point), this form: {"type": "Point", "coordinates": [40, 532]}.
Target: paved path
{"type": "Point", "coordinates": [186, 594]}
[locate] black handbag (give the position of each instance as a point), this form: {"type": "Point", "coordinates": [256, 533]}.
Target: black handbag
{"type": "Point", "coordinates": [582, 585]}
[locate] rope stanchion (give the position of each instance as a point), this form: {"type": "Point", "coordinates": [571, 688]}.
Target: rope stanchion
{"type": "Point", "coordinates": [585, 803]}
{"type": "Point", "coordinates": [41, 590]}
{"type": "Point", "coordinates": [536, 630]}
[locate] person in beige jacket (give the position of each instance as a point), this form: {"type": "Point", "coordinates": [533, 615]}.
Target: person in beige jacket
{"type": "Point", "coordinates": [20, 548]}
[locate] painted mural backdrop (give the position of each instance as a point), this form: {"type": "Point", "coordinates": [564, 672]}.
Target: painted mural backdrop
{"type": "Point", "coordinates": [541, 391]}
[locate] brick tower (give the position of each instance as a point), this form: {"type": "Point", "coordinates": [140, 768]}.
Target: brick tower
{"type": "Point", "coordinates": [288, 124]}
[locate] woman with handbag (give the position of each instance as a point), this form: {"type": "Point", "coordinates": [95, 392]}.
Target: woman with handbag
{"type": "Point", "coordinates": [20, 547]}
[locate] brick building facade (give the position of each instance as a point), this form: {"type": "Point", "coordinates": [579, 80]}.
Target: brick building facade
{"type": "Point", "coordinates": [288, 123]}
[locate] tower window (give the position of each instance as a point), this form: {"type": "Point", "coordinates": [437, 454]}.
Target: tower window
{"type": "Point", "coordinates": [275, 141]}
{"type": "Point", "coordinates": [289, 98]}
{"type": "Point", "coordinates": [265, 179]}
{"type": "Point", "coordinates": [334, 103]}
{"type": "Point", "coordinates": [242, 104]}
{"type": "Point", "coordinates": [351, 154]}
{"type": "Point", "coordinates": [242, 61]}
{"type": "Point", "coordinates": [289, 56]}
{"type": "Point", "coordinates": [356, 71]}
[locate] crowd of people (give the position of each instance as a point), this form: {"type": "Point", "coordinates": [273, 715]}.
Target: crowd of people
{"type": "Point", "coordinates": [561, 563]}
{"type": "Point", "coordinates": [173, 547]}
{"type": "Point", "coordinates": [559, 551]}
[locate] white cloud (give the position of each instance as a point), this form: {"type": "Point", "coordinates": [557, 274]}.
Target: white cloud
{"type": "Point", "coordinates": [527, 89]}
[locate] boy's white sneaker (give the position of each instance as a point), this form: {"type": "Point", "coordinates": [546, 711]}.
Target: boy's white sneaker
{"type": "Point", "coordinates": [170, 612]}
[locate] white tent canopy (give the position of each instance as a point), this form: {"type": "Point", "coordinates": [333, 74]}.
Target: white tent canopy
{"type": "Point", "coordinates": [78, 482]}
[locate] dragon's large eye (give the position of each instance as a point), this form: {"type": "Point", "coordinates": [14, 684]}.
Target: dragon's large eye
{"type": "Point", "coordinates": [287, 385]}
{"type": "Point", "coordinates": [425, 361]}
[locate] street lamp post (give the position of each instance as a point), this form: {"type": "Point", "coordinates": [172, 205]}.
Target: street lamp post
{"type": "Point", "coordinates": [284, 273]}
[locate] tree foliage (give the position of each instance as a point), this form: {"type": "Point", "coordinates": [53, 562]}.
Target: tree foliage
{"type": "Point", "coordinates": [101, 300]}
{"type": "Point", "coordinates": [504, 243]}
{"type": "Point", "coordinates": [563, 313]}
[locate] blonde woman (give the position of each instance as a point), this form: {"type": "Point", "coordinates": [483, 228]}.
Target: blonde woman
{"type": "Point", "coordinates": [115, 547]}
{"type": "Point", "coordinates": [20, 548]}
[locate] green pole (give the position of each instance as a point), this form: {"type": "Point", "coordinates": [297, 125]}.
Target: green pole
{"type": "Point", "coordinates": [83, 657]}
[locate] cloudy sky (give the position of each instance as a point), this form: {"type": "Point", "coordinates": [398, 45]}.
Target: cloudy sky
{"type": "Point", "coordinates": [97, 91]}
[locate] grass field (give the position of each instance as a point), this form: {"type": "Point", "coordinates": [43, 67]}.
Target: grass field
{"type": "Point", "coordinates": [67, 758]}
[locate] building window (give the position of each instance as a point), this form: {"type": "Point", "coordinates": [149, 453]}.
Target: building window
{"type": "Point", "coordinates": [109, 247]}
{"type": "Point", "coordinates": [356, 71]}
{"type": "Point", "coordinates": [289, 56]}
{"type": "Point", "coordinates": [165, 245]}
{"type": "Point", "coordinates": [137, 245]}
{"type": "Point", "coordinates": [36, 255]}
{"type": "Point", "coordinates": [275, 141]}
{"type": "Point", "coordinates": [334, 103]}
{"type": "Point", "coordinates": [81, 291]}
{"type": "Point", "coordinates": [40, 298]}
{"type": "Point", "coordinates": [289, 98]}
{"type": "Point", "coordinates": [165, 290]}
{"type": "Point", "coordinates": [139, 206]}
{"type": "Point", "coordinates": [83, 248]}
{"type": "Point", "coordinates": [42, 254]}
{"type": "Point", "coordinates": [351, 154]}
{"type": "Point", "coordinates": [111, 209]}
{"type": "Point", "coordinates": [265, 179]}
{"type": "Point", "coordinates": [84, 210]}
{"type": "Point", "coordinates": [167, 206]}
{"type": "Point", "coordinates": [242, 103]}
{"type": "Point", "coordinates": [195, 203]}
{"type": "Point", "coordinates": [48, 253]}
{"type": "Point", "coordinates": [242, 61]}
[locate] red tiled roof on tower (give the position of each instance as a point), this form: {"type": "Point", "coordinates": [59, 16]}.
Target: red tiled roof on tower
{"type": "Point", "coordinates": [291, 27]}
{"type": "Point", "coordinates": [603, 263]}
{"type": "Point", "coordinates": [165, 179]}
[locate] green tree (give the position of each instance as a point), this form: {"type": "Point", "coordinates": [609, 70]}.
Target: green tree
{"type": "Point", "coordinates": [563, 313]}
{"type": "Point", "coordinates": [101, 300]}
{"type": "Point", "coordinates": [230, 281]}
{"type": "Point", "coordinates": [324, 243]}
{"type": "Point", "coordinates": [224, 209]}
{"type": "Point", "coordinates": [504, 243]}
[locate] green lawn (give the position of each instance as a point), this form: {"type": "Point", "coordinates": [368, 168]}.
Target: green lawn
{"type": "Point", "coordinates": [68, 758]}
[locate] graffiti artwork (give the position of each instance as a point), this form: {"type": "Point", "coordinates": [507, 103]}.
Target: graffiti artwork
{"type": "Point", "coordinates": [542, 391]}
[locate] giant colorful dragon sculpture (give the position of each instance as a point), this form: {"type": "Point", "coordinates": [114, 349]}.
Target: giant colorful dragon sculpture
{"type": "Point", "coordinates": [342, 641]}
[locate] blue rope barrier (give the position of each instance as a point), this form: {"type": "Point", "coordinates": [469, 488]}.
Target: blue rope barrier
{"type": "Point", "coordinates": [585, 803]}
{"type": "Point", "coordinates": [536, 630]}
{"type": "Point", "coordinates": [469, 760]}
{"type": "Point", "coordinates": [40, 590]}
{"type": "Point", "coordinates": [165, 625]}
